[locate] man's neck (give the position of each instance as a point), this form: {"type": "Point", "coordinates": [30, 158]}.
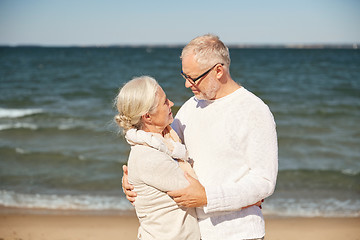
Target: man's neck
{"type": "Point", "coordinates": [227, 88]}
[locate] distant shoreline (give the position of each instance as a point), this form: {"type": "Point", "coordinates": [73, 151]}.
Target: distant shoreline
{"type": "Point", "coordinates": [231, 46]}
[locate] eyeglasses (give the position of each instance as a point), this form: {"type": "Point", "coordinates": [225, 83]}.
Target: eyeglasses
{"type": "Point", "coordinates": [202, 75]}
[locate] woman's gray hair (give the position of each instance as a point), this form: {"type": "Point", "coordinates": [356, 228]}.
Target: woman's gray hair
{"type": "Point", "coordinates": [136, 98]}
{"type": "Point", "coordinates": [208, 50]}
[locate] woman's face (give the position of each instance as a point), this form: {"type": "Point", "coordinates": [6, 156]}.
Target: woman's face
{"type": "Point", "coordinates": [162, 116]}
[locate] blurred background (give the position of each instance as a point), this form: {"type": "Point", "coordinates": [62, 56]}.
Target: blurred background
{"type": "Point", "coordinates": [62, 63]}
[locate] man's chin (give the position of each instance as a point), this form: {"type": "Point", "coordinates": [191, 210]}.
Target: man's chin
{"type": "Point", "coordinates": [201, 96]}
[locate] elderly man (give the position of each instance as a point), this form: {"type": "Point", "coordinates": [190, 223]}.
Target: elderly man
{"type": "Point", "coordinates": [230, 134]}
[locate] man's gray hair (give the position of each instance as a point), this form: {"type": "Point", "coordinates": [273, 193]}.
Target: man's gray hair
{"type": "Point", "coordinates": [208, 50]}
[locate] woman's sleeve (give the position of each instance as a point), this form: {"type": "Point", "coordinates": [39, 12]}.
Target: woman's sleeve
{"type": "Point", "coordinates": [161, 171]}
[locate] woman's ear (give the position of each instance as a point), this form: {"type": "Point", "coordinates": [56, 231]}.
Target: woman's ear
{"type": "Point", "coordinates": [146, 118]}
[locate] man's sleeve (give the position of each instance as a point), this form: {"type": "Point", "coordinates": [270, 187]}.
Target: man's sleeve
{"type": "Point", "coordinates": [262, 161]}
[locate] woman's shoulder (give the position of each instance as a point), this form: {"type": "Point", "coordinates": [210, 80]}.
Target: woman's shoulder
{"type": "Point", "coordinates": [144, 154]}
{"type": "Point", "coordinates": [147, 164]}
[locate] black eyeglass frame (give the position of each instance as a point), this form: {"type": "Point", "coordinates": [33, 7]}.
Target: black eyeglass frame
{"type": "Point", "coordinates": [202, 75]}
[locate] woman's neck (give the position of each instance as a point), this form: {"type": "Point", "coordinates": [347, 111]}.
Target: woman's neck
{"type": "Point", "coordinates": [153, 129]}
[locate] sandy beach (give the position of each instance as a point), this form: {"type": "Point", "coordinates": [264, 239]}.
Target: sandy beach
{"type": "Point", "coordinates": [70, 226]}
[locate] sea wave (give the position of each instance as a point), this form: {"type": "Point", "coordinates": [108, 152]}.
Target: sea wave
{"type": "Point", "coordinates": [16, 113]}
{"type": "Point", "coordinates": [60, 126]}
{"type": "Point", "coordinates": [65, 202]}
{"type": "Point", "coordinates": [302, 207]}
{"type": "Point", "coordinates": [351, 172]}
{"type": "Point", "coordinates": [284, 207]}
{"type": "Point", "coordinates": [18, 125]}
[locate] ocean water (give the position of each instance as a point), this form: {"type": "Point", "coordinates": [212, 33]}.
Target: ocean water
{"type": "Point", "coordinates": [60, 150]}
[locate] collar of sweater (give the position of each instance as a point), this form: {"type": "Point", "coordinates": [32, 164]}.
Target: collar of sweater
{"type": "Point", "coordinates": [172, 148]}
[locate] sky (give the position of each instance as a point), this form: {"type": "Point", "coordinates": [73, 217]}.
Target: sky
{"type": "Point", "coordinates": [139, 22]}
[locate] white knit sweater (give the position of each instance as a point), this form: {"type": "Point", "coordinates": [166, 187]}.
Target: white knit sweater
{"type": "Point", "coordinates": [233, 143]}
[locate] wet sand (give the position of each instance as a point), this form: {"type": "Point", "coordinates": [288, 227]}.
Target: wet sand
{"type": "Point", "coordinates": [70, 226]}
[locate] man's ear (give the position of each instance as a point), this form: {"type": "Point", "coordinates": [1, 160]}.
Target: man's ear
{"type": "Point", "coordinates": [219, 71]}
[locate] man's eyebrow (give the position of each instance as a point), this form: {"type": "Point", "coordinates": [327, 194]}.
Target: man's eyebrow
{"type": "Point", "coordinates": [186, 74]}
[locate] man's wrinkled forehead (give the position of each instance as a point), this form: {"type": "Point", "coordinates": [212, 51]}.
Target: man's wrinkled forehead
{"type": "Point", "coordinates": [189, 63]}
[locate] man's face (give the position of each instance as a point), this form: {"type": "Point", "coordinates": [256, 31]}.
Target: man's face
{"type": "Point", "coordinates": [207, 86]}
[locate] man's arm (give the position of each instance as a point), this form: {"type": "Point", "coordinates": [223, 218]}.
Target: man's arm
{"type": "Point", "coordinates": [127, 187]}
{"type": "Point", "coordinates": [193, 195]}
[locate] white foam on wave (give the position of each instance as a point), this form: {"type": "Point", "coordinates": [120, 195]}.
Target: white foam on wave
{"type": "Point", "coordinates": [279, 207]}
{"type": "Point", "coordinates": [350, 171]}
{"type": "Point", "coordinates": [20, 151]}
{"type": "Point", "coordinates": [70, 123]}
{"type": "Point", "coordinates": [65, 202]}
{"type": "Point", "coordinates": [18, 125]}
{"type": "Point", "coordinates": [16, 113]}
{"type": "Point", "coordinates": [329, 207]}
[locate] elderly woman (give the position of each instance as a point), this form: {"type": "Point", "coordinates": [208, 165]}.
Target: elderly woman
{"type": "Point", "coordinates": [157, 161]}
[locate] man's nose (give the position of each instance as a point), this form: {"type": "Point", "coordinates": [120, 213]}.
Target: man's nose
{"type": "Point", "coordinates": [188, 83]}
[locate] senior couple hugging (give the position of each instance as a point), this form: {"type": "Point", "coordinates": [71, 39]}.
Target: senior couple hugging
{"type": "Point", "coordinates": [204, 173]}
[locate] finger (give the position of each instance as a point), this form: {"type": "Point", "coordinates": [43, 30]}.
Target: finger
{"type": "Point", "coordinates": [189, 177]}
{"type": "Point", "coordinates": [171, 194]}
{"type": "Point", "coordinates": [174, 194]}
{"type": "Point", "coordinates": [126, 185]}
{"type": "Point", "coordinates": [179, 201]}
{"type": "Point", "coordinates": [125, 169]}
{"type": "Point", "coordinates": [123, 181]}
{"type": "Point", "coordinates": [130, 193]}
{"type": "Point", "coordinates": [131, 199]}
{"type": "Point", "coordinates": [176, 198]}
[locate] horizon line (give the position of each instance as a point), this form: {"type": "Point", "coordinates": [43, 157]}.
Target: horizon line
{"type": "Point", "coordinates": [231, 45]}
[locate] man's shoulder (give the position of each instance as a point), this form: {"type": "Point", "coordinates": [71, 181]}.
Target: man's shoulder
{"type": "Point", "coordinates": [252, 99]}
{"type": "Point", "coordinates": [190, 103]}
